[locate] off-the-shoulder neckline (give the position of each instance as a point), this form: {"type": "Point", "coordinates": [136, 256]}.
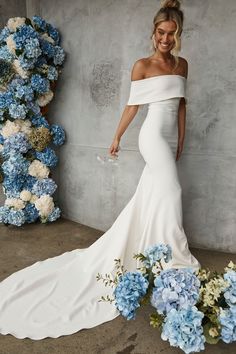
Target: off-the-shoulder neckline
{"type": "Point", "coordinates": [154, 77]}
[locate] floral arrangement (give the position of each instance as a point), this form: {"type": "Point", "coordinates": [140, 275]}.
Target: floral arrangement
{"type": "Point", "coordinates": [30, 61]}
{"type": "Point", "coordinates": [191, 307]}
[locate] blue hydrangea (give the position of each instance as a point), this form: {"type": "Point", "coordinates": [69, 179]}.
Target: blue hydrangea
{"type": "Point", "coordinates": [131, 288]}
{"type": "Point", "coordinates": [4, 211]}
{"type": "Point", "coordinates": [156, 253]}
{"type": "Point", "coordinates": [24, 92]}
{"type": "Point", "coordinates": [55, 214]}
{"type": "Point", "coordinates": [1, 139]}
{"type": "Point", "coordinates": [183, 329]}
{"type": "Point", "coordinates": [58, 134]}
{"type": "Point", "coordinates": [52, 73]}
{"type": "Point", "coordinates": [22, 34]}
{"type": "Point", "coordinates": [32, 48]}
{"type": "Point", "coordinates": [39, 23]}
{"type": "Point", "coordinates": [31, 213]}
{"type": "Point", "coordinates": [5, 54]}
{"type": "Point", "coordinates": [41, 61]}
{"type": "Point", "coordinates": [16, 142]}
{"type": "Point", "coordinates": [53, 33]}
{"type": "Point", "coordinates": [39, 121]}
{"type": "Point", "coordinates": [59, 55]}
{"type": "Point", "coordinates": [4, 33]}
{"type": "Point", "coordinates": [227, 319]}
{"type": "Point", "coordinates": [17, 111]}
{"type": "Point", "coordinates": [6, 99]}
{"type": "Point", "coordinates": [48, 49]}
{"type": "Point", "coordinates": [44, 186]}
{"type": "Point", "coordinates": [27, 63]}
{"type": "Point", "coordinates": [13, 185]}
{"type": "Point", "coordinates": [15, 165]}
{"type": "Point", "coordinates": [47, 156]}
{"type": "Point", "coordinates": [16, 217]}
{"type": "Point", "coordinates": [39, 83]}
{"type": "Point", "coordinates": [29, 182]}
{"type": "Point", "coordinates": [230, 292]}
{"type": "Point", "coordinates": [33, 107]}
{"type": "Point", "coordinates": [175, 288]}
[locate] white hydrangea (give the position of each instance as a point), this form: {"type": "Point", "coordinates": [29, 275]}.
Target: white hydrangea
{"type": "Point", "coordinates": [11, 44]}
{"type": "Point", "coordinates": [19, 70]}
{"type": "Point", "coordinates": [15, 22]}
{"type": "Point", "coordinates": [43, 100]}
{"type": "Point", "coordinates": [33, 198]}
{"type": "Point", "coordinates": [44, 205]}
{"type": "Point", "coordinates": [38, 169]}
{"type": "Point", "coordinates": [48, 38]}
{"type": "Point", "coordinates": [9, 129]}
{"type": "Point", "coordinates": [25, 195]}
{"type": "Point", "coordinates": [15, 202]}
{"type": "Point", "coordinates": [24, 125]}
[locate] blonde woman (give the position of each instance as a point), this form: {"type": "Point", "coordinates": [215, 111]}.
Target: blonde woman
{"type": "Point", "coordinates": [59, 296]}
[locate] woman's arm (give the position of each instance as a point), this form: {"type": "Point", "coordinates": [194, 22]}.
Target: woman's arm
{"type": "Point", "coordinates": [182, 115]}
{"type": "Point", "coordinates": [129, 111]}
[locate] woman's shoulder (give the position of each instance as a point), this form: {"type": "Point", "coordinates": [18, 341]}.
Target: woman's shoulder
{"type": "Point", "coordinates": [138, 70]}
{"type": "Point", "coordinates": [183, 66]}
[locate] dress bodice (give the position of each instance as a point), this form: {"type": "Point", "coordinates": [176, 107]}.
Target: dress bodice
{"type": "Point", "coordinates": [156, 88]}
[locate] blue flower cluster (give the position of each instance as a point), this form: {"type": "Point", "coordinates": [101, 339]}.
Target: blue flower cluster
{"type": "Point", "coordinates": [37, 61]}
{"type": "Point", "coordinates": [183, 329]}
{"type": "Point", "coordinates": [47, 156]}
{"type": "Point", "coordinates": [58, 134]}
{"type": "Point", "coordinates": [155, 253]}
{"type": "Point", "coordinates": [131, 288]}
{"type": "Point", "coordinates": [228, 324]}
{"type": "Point", "coordinates": [175, 288]}
{"type": "Point", "coordinates": [16, 142]}
{"type": "Point", "coordinates": [44, 186]}
{"type": "Point", "coordinates": [230, 292]}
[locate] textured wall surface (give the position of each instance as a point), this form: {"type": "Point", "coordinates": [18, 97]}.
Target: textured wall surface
{"type": "Point", "coordinates": [103, 38]}
{"type": "Point", "coordinates": [10, 8]}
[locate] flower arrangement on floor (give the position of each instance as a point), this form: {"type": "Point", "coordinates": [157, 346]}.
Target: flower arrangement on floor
{"type": "Point", "coordinates": [30, 61]}
{"type": "Point", "coordinates": [191, 306]}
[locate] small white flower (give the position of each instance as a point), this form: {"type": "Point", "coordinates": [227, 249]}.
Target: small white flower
{"type": "Point", "coordinates": [48, 38]}
{"type": "Point", "coordinates": [15, 202]}
{"type": "Point", "coordinates": [44, 205]}
{"type": "Point", "coordinates": [38, 169]}
{"type": "Point", "coordinates": [43, 100]}
{"type": "Point", "coordinates": [25, 195]}
{"type": "Point", "coordinates": [1, 147]}
{"type": "Point", "coordinates": [213, 332]}
{"type": "Point", "coordinates": [11, 44]}
{"type": "Point", "coordinates": [33, 198]}
{"type": "Point", "coordinates": [15, 22]}
{"type": "Point", "coordinates": [9, 128]}
{"type": "Point", "coordinates": [24, 126]}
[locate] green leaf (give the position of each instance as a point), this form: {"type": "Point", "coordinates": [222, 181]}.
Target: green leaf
{"type": "Point", "coordinates": [209, 338]}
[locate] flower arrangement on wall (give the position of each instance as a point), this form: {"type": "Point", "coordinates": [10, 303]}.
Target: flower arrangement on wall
{"type": "Point", "coordinates": [30, 61]}
{"type": "Point", "coordinates": [191, 307]}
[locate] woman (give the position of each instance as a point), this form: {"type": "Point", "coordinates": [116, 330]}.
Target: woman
{"type": "Point", "coordinates": [59, 296]}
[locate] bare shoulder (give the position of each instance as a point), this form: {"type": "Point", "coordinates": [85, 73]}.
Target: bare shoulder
{"type": "Point", "coordinates": [138, 70]}
{"type": "Point", "coordinates": [183, 66]}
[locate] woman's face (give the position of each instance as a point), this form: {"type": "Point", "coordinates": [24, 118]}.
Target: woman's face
{"type": "Point", "coordinates": [164, 36]}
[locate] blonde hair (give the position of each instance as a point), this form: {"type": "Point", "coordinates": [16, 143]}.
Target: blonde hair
{"type": "Point", "coordinates": [170, 11]}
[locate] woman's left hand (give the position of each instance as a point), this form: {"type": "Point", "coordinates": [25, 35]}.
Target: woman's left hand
{"type": "Point", "coordinates": [179, 150]}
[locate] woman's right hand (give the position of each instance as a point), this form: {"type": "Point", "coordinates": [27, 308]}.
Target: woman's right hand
{"type": "Point", "coordinates": [114, 148]}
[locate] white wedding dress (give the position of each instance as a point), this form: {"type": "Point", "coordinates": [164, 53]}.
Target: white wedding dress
{"type": "Point", "coordinates": [59, 296]}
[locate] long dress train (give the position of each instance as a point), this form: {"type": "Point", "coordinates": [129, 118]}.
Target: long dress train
{"type": "Point", "coordinates": [59, 296]}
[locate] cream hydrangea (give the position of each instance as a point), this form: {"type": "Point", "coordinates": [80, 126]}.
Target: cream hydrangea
{"type": "Point", "coordinates": [44, 205]}
{"type": "Point", "coordinates": [24, 126]}
{"type": "Point", "coordinates": [211, 292]}
{"type": "Point", "coordinates": [33, 198]}
{"type": "Point", "coordinates": [19, 70]}
{"type": "Point", "coordinates": [15, 22]}
{"type": "Point", "coordinates": [9, 128]}
{"type": "Point", "coordinates": [38, 169]}
{"type": "Point", "coordinates": [11, 44]}
{"type": "Point", "coordinates": [43, 100]}
{"type": "Point", "coordinates": [48, 38]}
{"type": "Point", "coordinates": [25, 195]}
{"type": "Point", "coordinates": [15, 202]}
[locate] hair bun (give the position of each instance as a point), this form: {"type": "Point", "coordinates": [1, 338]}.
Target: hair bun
{"type": "Point", "coordinates": [170, 3]}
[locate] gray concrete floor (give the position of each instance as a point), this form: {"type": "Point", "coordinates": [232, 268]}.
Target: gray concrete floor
{"type": "Point", "coordinates": [21, 247]}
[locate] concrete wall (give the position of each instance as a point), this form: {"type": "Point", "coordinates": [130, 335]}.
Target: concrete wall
{"type": "Point", "coordinates": [103, 38]}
